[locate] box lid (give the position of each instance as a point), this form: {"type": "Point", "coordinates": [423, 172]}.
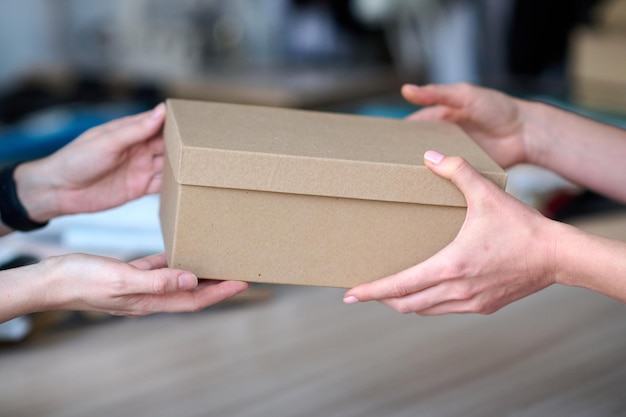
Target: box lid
{"type": "Point", "coordinates": [315, 153]}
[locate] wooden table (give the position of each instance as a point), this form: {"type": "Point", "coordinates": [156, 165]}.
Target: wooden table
{"type": "Point", "coordinates": [561, 352]}
{"type": "Point", "coordinates": [302, 352]}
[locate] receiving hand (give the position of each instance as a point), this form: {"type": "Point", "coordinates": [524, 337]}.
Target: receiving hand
{"type": "Point", "coordinates": [145, 286]}
{"type": "Point", "coordinates": [504, 251]}
{"type": "Point", "coordinates": [104, 167]}
{"type": "Point", "coordinates": [497, 122]}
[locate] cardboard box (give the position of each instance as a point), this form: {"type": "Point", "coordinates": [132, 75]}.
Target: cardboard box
{"type": "Point", "coordinates": [610, 15]}
{"type": "Point", "coordinates": [598, 69]}
{"type": "Point", "coordinates": [299, 197]}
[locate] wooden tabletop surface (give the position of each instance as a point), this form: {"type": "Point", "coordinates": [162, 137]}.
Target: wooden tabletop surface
{"type": "Point", "coordinates": [301, 352]}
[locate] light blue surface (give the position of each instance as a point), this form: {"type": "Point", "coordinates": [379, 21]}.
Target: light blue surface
{"type": "Point", "coordinates": [383, 110]}
{"type": "Point", "coordinates": [49, 130]}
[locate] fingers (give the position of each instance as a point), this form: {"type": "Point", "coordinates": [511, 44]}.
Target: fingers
{"type": "Point", "coordinates": [150, 262]}
{"type": "Point", "coordinates": [217, 292]}
{"type": "Point", "coordinates": [156, 281]}
{"type": "Point", "coordinates": [406, 282]}
{"type": "Point", "coordinates": [440, 267]}
{"type": "Point", "coordinates": [453, 95]}
{"type": "Point", "coordinates": [436, 113]}
{"type": "Point", "coordinates": [451, 296]}
{"type": "Point", "coordinates": [144, 286]}
{"type": "Point", "coordinates": [157, 145]}
{"type": "Point", "coordinates": [426, 291]}
{"type": "Point", "coordinates": [156, 167]}
{"type": "Point", "coordinates": [156, 278]}
{"type": "Point", "coordinates": [168, 280]}
{"type": "Point", "coordinates": [154, 185]}
{"type": "Point", "coordinates": [192, 301]}
{"type": "Point", "coordinates": [133, 129]}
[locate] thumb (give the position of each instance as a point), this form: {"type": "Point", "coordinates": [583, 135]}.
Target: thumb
{"type": "Point", "coordinates": [160, 281]}
{"type": "Point", "coordinates": [460, 173]}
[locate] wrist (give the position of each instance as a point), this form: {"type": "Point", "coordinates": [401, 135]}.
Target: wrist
{"type": "Point", "coordinates": [593, 262]}
{"type": "Point", "coordinates": [563, 244]}
{"type": "Point", "coordinates": [36, 192]}
{"type": "Point", "coordinates": [542, 253]}
{"type": "Point", "coordinates": [534, 115]}
{"type": "Point", "coordinates": [52, 294]}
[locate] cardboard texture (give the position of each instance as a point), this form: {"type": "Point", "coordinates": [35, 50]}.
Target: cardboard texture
{"type": "Point", "coordinates": [274, 195]}
{"type": "Point", "coordinates": [598, 60]}
{"type": "Point", "coordinates": [598, 69]}
{"type": "Point", "coordinates": [611, 15]}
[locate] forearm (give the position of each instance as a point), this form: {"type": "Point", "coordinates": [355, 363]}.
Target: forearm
{"type": "Point", "coordinates": [36, 190]}
{"type": "Point", "coordinates": [24, 290]}
{"type": "Point", "coordinates": [584, 151]}
{"type": "Point", "coordinates": [592, 262]}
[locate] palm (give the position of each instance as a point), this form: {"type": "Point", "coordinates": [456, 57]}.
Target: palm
{"type": "Point", "coordinates": [104, 181]}
{"type": "Point", "coordinates": [492, 119]}
{"type": "Point", "coordinates": [110, 164]}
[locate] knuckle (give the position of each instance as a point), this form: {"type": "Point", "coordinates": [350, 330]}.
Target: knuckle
{"type": "Point", "coordinates": [459, 165]}
{"type": "Point", "coordinates": [197, 308]}
{"type": "Point", "coordinates": [480, 306]}
{"type": "Point", "coordinates": [454, 268]}
{"type": "Point", "coordinates": [403, 308]}
{"type": "Point", "coordinates": [143, 307]}
{"type": "Point", "coordinates": [195, 305]}
{"type": "Point", "coordinates": [399, 288]}
{"type": "Point", "coordinates": [466, 292]}
{"type": "Point", "coordinates": [462, 291]}
{"type": "Point", "coordinates": [160, 285]}
{"type": "Point", "coordinates": [488, 309]}
{"type": "Point", "coordinates": [469, 290]}
{"type": "Point", "coordinates": [475, 306]}
{"type": "Point", "coordinates": [465, 87]}
{"type": "Point", "coordinates": [117, 284]}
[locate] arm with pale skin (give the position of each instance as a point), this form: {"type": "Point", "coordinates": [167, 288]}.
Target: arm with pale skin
{"type": "Point", "coordinates": [105, 167]}
{"type": "Point", "coordinates": [98, 284]}
{"type": "Point", "coordinates": [506, 250]}
{"type": "Point", "coordinates": [513, 131]}
{"type": "Point", "coordinates": [582, 150]}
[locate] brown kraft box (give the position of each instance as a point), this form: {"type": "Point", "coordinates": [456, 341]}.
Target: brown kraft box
{"type": "Point", "coordinates": [285, 196]}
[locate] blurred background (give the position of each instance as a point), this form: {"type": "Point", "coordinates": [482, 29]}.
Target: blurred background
{"type": "Point", "coordinates": [68, 65]}
{"type": "Point", "coordinates": [98, 59]}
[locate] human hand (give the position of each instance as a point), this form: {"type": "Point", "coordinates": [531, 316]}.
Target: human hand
{"type": "Point", "coordinates": [504, 251]}
{"type": "Point", "coordinates": [144, 286]}
{"type": "Point", "coordinates": [104, 167]}
{"type": "Point", "coordinates": [497, 122]}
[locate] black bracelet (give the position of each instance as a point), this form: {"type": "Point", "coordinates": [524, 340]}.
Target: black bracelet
{"type": "Point", "coordinates": [12, 211]}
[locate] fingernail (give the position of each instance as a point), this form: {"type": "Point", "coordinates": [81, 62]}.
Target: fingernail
{"type": "Point", "coordinates": [351, 300]}
{"type": "Point", "coordinates": [434, 156]}
{"type": "Point", "coordinates": [158, 111]}
{"type": "Point", "coordinates": [187, 281]}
